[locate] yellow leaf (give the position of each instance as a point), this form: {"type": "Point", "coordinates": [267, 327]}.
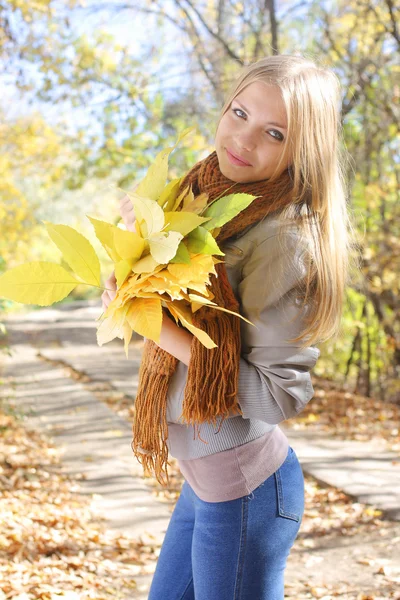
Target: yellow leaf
{"type": "Point", "coordinates": [188, 199]}
{"type": "Point", "coordinates": [162, 286]}
{"type": "Point", "coordinates": [197, 204]}
{"type": "Point", "coordinates": [196, 306]}
{"type": "Point", "coordinates": [183, 313]}
{"type": "Point", "coordinates": [163, 246]}
{"type": "Point", "coordinates": [196, 272]}
{"type": "Point", "coordinates": [154, 181]}
{"type": "Point", "coordinates": [148, 213]}
{"type": "Point", "coordinates": [127, 337]}
{"type": "Point", "coordinates": [77, 252]}
{"type": "Point", "coordinates": [147, 264]}
{"type": "Point", "coordinates": [179, 199]}
{"type": "Point", "coordinates": [145, 294]}
{"type": "Point", "coordinates": [122, 270]}
{"type": "Point", "coordinates": [40, 283]}
{"type": "Point", "coordinates": [136, 280]}
{"type": "Point", "coordinates": [105, 234]}
{"type": "Point", "coordinates": [145, 317]}
{"type": "Point", "coordinates": [169, 194]}
{"type": "Point", "coordinates": [182, 221]}
{"type": "Point", "coordinates": [128, 244]}
{"type": "Point", "coordinates": [111, 326]}
{"type": "Point", "coordinates": [200, 300]}
{"type": "Point", "coordinates": [198, 287]}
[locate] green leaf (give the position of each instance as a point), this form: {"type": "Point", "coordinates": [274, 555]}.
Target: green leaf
{"type": "Point", "coordinates": [223, 210]}
{"type": "Point", "coordinates": [200, 241]}
{"type": "Point", "coordinates": [182, 255]}
{"type": "Point", "coordinates": [41, 283]}
{"type": "Point", "coordinates": [77, 252]}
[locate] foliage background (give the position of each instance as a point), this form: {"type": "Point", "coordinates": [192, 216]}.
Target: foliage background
{"type": "Point", "coordinates": [91, 90]}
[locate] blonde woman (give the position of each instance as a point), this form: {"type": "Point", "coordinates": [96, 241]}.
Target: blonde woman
{"type": "Point", "coordinates": [285, 268]}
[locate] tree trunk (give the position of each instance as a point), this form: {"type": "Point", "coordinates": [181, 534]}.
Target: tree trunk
{"type": "Point", "coordinates": [270, 6]}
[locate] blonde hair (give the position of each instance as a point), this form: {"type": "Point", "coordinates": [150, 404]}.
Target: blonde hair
{"type": "Point", "coordinates": [311, 95]}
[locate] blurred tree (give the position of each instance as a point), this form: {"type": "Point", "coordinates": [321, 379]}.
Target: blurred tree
{"type": "Point", "coordinates": [29, 160]}
{"type": "Point", "coordinates": [87, 113]}
{"type": "Point", "coordinates": [122, 107]}
{"type": "Point", "coordinates": [360, 39]}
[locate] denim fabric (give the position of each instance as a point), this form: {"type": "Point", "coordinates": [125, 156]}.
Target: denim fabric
{"type": "Point", "coordinates": [235, 550]}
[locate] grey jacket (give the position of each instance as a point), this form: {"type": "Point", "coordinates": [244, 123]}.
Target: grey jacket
{"type": "Point", "coordinates": [274, 375]}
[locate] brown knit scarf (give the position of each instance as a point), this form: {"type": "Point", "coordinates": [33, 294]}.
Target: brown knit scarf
{"type": "Point", "coordinates": [212, 380]}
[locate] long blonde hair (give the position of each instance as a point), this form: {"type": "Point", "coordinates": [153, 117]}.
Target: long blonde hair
{"type": "Point", "coordinates": [311, 95]}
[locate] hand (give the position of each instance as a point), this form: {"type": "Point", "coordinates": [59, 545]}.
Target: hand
{"type": "Point", "coordinates": [127, 213]}
{"type": "Point", "coordinates": [110, 293]}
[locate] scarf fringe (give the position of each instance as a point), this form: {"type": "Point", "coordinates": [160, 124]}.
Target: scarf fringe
{"type": "Point", "coordinates": [212, 380]}
{"type": "Point", "coordinates": [150, 428]}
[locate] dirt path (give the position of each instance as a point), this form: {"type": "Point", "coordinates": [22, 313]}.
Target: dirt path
{"type": "Point", "coordinates": [345, 549]}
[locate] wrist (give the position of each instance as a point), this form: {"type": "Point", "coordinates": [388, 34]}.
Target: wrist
{"type": "Point", "coordinates": [174, 339]}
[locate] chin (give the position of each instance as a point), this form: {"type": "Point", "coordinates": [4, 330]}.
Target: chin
{"type": "Point", "coordinates": [229, 170]}
{"type": "Point", "coordinates": [234, 174]}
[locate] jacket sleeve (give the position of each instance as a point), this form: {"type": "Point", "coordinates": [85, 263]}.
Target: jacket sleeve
{"type": "Point", "coordinates": [274, 376]}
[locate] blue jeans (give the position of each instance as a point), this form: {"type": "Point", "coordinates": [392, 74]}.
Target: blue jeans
{"type": "Point", "coordinates": [234, 550]}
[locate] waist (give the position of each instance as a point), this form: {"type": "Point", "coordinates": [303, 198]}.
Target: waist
{"type": "Point", "coordinates": [186, 443]}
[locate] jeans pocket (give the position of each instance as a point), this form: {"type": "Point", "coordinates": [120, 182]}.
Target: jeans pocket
{"type": "Point", "coordinates": [290, 488]}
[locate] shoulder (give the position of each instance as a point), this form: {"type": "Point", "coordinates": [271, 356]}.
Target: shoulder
{"type": "Point", "coordinates": [275, 262]}
{"type": "Point", "coordinates": [270, 237]}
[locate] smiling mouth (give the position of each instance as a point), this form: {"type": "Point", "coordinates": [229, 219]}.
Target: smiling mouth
{"type": "Point", "coordinates": [236, 160]}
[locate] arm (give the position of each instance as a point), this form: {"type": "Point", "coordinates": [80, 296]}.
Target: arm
{"type": "Point", "coordinates": [274, 375]}
{"type": "Point", "coordinates": [175, 340]}
{"type": "Point", "coordinates": [274, 380]}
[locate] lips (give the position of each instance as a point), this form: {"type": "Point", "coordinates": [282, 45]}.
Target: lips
{"type": "Point", "coordinates": [237, 160]}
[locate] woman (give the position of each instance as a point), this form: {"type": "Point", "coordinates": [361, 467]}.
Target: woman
{"type": "Point", "coordinates": [285, 268]}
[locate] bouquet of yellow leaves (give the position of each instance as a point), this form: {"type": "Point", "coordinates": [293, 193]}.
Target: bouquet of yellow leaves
{"type": "Point", "coordinates": [166, 263]}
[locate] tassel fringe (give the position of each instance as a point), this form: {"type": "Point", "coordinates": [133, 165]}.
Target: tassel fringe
{"type": "Point", "coordinates": [150, 428]}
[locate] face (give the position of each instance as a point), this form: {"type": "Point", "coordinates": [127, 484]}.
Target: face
{"type": "Point", "coordinates": [250, 136]}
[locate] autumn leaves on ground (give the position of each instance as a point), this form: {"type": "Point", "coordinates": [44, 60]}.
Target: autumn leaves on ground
{"type": "Point", "coordinates": [52, 545]}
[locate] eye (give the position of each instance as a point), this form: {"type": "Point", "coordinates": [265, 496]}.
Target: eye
{"type": "Point", "coordinates": [276, 134]}
{"type": "Point", "coordinates": [242, 114]}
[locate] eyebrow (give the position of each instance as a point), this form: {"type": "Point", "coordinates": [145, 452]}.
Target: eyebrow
{"type": "Point", "coordinates": [269, 123]}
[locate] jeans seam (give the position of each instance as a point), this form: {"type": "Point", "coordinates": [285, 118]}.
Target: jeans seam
{"type": "Point", "coordinates": [186, 588]}
{"type": "Point", "coordinates": [281, 509]}
{"type": "Point", "coordinates": [242, 547]}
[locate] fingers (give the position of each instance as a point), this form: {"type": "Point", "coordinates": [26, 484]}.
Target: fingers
{"type": "Point", "coordinates": [127, 213]}
{"type": "Point", "coordinates": [126, 203]}
{"type": "Point", "coordinates": [109, 294]}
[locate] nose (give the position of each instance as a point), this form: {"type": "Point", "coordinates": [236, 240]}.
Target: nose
{"type": "Point", "coordinates": [246, 141]}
